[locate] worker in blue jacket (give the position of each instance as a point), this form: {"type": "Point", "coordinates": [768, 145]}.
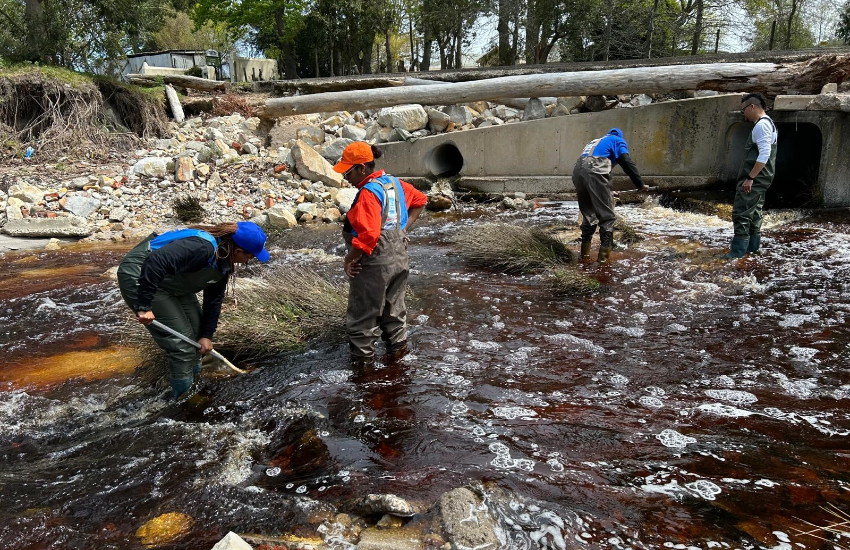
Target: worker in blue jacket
{"type": "Point", "coordinates": [160, 277]}
{"type": "Point", "coordinates": [592, 180]}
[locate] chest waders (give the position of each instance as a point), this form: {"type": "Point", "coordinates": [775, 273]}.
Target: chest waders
{"type": "Point", "coordinates": [175, 304]}
{"type": "Point", "coordinates": [747, 209]}
{"type": "Point", "coordinates": [592, 180]}
{"type": "Point", "coordinates": [376, 295]}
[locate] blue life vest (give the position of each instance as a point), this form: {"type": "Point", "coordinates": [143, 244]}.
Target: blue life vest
{"type": "Point", "coordinates": [177, 234]}
{"type": "Point", "coordinates": [396, 217]}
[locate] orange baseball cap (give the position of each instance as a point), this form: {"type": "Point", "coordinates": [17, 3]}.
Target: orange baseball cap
{"type": "Point", "coordinates": [358, 152]}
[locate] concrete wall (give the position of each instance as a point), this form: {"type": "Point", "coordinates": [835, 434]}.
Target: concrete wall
{"type": "Point", "coordinates": [206, 71]}
{"type": "Point", "coordinates": [250, 70]}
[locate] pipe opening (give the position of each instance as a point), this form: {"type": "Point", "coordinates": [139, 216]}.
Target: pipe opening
{"type": "Point", "coordinates": [444, 161]}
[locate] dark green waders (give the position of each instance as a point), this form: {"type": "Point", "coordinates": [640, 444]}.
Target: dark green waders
{"type": "Point", "coordinates": [175, 305]}
{"type": "Point", "coordinates": [592, 180]}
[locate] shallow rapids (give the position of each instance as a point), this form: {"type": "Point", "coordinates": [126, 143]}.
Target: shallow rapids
{"type": "Point", "coordinates": [694, 403]}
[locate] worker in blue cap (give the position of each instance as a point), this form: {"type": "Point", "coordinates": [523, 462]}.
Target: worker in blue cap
{"type": "Point", "coordinates": [160, 277]}
{"type": "Point", "coordinates": [592, 180]}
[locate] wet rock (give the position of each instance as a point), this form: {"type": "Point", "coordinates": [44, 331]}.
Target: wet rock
{"type": "Point", "coordinates": [80, 205]}
{"type": "Point", "coordinates": [164, 529]}
{"type": "Point", "coordinates": [438, 121]}
{"type": "Point", "coordinates": [383, 504]}
{"type": "Point", "coordinates": [154, 167]}
{"type": "Point", "coordinates": [405, 117]}
{"type": "Point", "coordinates": [440, 197]}
{"type": "Point", "coordinates": [184, 169]}
{"type": "Point", "coordinates": [392, 539]}
{"type": "Point", "coordinates": [311, 134]}
{"type": "Point", "coordinates": [389, 521]}
{"type": "Point", "coordinates": [26, 193]}
{"type": "Point", "coordinates": [312, 166]}
{"type": "Point", "coordinates": [354, 133]}
{"type": "Point", "coordinates": [534, 110]}
{"type": "Point", "coordinates": [232, 541]}
{"type": "Point", "coordinates": [466, 521]}
{"type": "Point", "coordinates": [52, 244]}
{"type": "Point", "coordinates": [72, 226]}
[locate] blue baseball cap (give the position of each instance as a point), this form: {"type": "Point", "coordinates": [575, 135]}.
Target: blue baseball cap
{"type": "Point", "coordinates": [250, 238]}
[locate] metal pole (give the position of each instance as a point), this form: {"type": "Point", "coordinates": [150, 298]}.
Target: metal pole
{"type": "Point", "coordinates": [191, 342]}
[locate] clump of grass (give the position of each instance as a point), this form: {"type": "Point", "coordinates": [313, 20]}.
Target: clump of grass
{"type": "Point", "coordinates": [511, 249]}
{"type": "Point", "coordinates": [188, 209]}
{"type": "Point", "coordinates": [722, 210]}
{"type": "Point", "coordinates": [627, 233]}
{"type": "Point", "coordinates": [283, 310]}
{"type": "Point", "coordinates": [839, 527]}
{"type": "Point", "coordinates": [571, 282]}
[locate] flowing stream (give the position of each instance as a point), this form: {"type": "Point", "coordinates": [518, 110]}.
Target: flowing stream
{"type": "Point", "coordinates": [694, 403]}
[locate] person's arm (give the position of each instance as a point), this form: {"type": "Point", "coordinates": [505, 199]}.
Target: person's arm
{"type": "Point", "coordinates": [181, 256]}
{"type": "Point", "coordinates": [630, 168]}
{"type": "Point", "coordinates": [415, 201]}
{"type": "Point", "coordinates": [763, 138]}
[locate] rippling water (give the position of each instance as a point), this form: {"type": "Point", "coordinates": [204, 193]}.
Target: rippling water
{"type": "Point", "coordinates": [694, 403]}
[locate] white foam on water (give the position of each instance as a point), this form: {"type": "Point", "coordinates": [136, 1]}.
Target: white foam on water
{"type": "Point", "coordinates": [801, 389]}
{"type": "Point", "coordinates": [784, 541]}
{"type": "Point", "coordinates": [651, 402]}
{"type": "Point", "coordinates": [793, 320]}
{"type": "Point", "coordinates": [503, 458]}
{"type": "Point", "coordinates": [676, 327]}
{"type": "Point", "coordinates": [724, 410]}
{"type": "Point", "coordinates": [673, 439]}
{"type": "Point", "coordinates": [704, 489]}
{"type": "Point", "coordinates": [273, 472]}
{"type": "Point", "coordinates": [736, 397]}
{"type": "Point", "coordinates": [724, 381]}
{"type": "Point", "coordinates": [655, 391]}
{"type": "Point", "coordinates": [301, 489]}
{"type": "Point", "coordinates": [575, 343]}
{"type": "Point", "coordinates": [632, 332]}
{"type": "Point", "coordinates": [671, 489]}
{"type": "Point", "coordinates": [802, 353]}
{"type": "Point", "coordinates": [335, 376]}
{"type": "Point", "coordinates": [459, 409]}
{"type": "Point", "coordinates": [766, 483]}
{"type": "Point", "coordinates": [563, 324]}
{"type": "Point", "coordinates": [555, 464]}
{"type": "Point", "coordinates": [640, 317]}
{"type": "Point", "coordinates": [517, 357]}
{"type": "Point", "coordinates": [484, 346]}
{"type": "Point", "coordinates": [512, 413]}
{"type": "Point", "coordinates": [359, 419]}
{"type": "Point", "coordinates": [618, 380]}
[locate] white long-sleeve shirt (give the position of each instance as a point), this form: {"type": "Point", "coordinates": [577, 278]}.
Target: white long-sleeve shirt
{"type": "Point", "coordinates": [764, 136]}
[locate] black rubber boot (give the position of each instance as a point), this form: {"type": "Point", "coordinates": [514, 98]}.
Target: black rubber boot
{"type": "Point", "coordinates": [755, 244]}
{"type": "Point", "coordinates": [738, 248]}
{"type": "Point", "coordinates": [606, 244]}
{"type": "Point", "coordinates": [585, 249]}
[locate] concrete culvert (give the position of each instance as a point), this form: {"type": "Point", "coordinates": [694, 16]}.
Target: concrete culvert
{"type": "Point", "coordinates": [444, 161]}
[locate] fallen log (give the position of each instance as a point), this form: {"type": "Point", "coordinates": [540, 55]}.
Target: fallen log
{"type": "Point", "coordinates": [174, 104]}
{"type": "Point", "coordinates": [769, 78]}
{"type": "Point", "coordinates": [322, 85]}
{"type": "Point", "coordinates": [192, 82]}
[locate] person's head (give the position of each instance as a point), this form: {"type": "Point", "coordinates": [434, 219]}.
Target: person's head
{"type": "Point", "coordinates": [239, 241]}
{"type": "Point", "coordinates": [615, 132]}
{"type": "Point", "coordinates": [753, 106]}
{"type": "Point", "coordinates": [357, 162]}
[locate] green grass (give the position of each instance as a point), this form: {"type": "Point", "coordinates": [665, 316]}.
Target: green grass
{"type": "Point", "coordinates": [75, 79]}
{"type": "Point", "coordinates": [509, 248]}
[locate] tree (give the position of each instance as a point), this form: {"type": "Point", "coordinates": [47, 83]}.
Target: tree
{"type": "Point", "coordinates": [271, 25]}
{"type": "Point", "coordinates": [842, 31]}
{"type": "Point", "coordinates": [791, 29]}
{"type": "Point", "coordinates": [178, 32]}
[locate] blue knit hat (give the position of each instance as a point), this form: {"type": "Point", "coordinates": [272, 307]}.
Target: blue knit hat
{"type": "Point", "coordinates": [250, 238]}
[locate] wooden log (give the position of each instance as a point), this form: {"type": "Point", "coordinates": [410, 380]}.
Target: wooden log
{"type": "Point", "coordinates": [768, 78]}
{"type": "Point", "coordinates": [174, 103]}
{"type": "Point", "coordinates": [192, 82]}
{"type": "Point", "coordinates": [322, 85]}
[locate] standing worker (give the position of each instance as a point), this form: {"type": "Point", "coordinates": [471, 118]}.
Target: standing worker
{"type": "Point", "coordinates": [755, 177]}
{"type": "Point", "coordinates": [161, 275]}
{"type": "Point", "coordinates": [376, 262]}
{"type": "Point", "coordinates": [592, 180]}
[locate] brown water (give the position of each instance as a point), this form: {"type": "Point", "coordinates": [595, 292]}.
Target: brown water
{"type": "Point", "coordinates": [696, 403]}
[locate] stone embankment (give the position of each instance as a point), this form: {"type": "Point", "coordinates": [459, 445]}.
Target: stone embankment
{"type": "Point", "coordinates": [235, 169]}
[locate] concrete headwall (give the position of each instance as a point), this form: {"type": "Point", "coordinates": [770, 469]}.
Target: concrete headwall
{"type": "Point", "coordinates": [250, 70]}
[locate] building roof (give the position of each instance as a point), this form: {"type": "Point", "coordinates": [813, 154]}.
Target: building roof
{"type": "Point", "coordinates": [185, 52]}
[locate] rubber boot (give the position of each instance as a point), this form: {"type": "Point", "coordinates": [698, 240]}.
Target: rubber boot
{"type": "Point", "coordinates": [585, 249]}
{"type": "Point", "coordinates": [606, 244]}
{"type": "Point", "coordinates": [755, 243]}
{"type": "Point", "coordinates": [738, 248]}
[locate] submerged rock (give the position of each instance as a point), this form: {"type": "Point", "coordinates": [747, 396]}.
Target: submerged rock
{"type": "Point", "coordinates": [384, 504]}
{"type": "Point", "coordinates": [466, 521]}
{"type": "Point", "coordinates": [164, 529]}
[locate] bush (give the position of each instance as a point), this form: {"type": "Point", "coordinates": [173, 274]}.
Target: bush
{"type": "Point", "coordinates": [195, 71]}
{"type": "Point", "coordinates": [188, 209]}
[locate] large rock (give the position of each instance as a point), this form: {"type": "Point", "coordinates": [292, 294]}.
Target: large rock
{"type": "Point", "coordinates": [438, 121]}
{"type": "Point", "coordinates": [280, 216]}
{"type": "Point", "coordinates": [309, 208]}
{"type": "Point", "coordinates": [534, 110]}
{"type": "Point", "coordinates": [80, 205]}
{"type": "Point", "coordinates": [504, 112]}
{"type": "Point", "coordinates": [640, 100]}
{"type": "Point", "coordinates": [184, 169]}
{"type": "Point", "coordinates": [383, 504]}
{"type": "Point", "coordinates": [466, 520]}
{"type": "Point", "coordinates": [406, 117]}
{"type": "Point", "coordinates": [399, 134]}
{"type": "Point", "coordinates": [48, 227]}
{"type": "Point", "coordinates": [312, 166]}
{"type": "Point", "coordinates": [596, 103]}
{"type": "Point", "coordinates": [354, 133]}
{"type": "Point", "coordinates": [311, 135]}
{"type": "Point", "coordinates": [231, 540]}
{"type": "Point", "coordinates": [13, 209]}
{"type": "Point", "coordinates": [461, 115]}
{"type": "Point", "coordinates": [333, 150]}
{"type": "Point", "coordinates": [28, 193]}
{"type": "Point", "coordinates": [345, 197]}
{"type": "Point", "coordinates": [155, 167]}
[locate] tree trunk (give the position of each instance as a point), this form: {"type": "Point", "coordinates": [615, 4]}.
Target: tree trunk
{"type": "Point", "coordinates": [532, 34]}
{"type": "Point", "coordinates": [459, 46]}
{"type": "Point", "coordinates": [651, 29]}
{"type": "Point", "coordinates": [791, 24]}
{"type": "Point", "coordinates": [179, 80]}
{"type": "Point", "coordinates": [609, 17]}
{"type": "Point", "coordinates": [34, 15]}
{"type": "Point", "coordinates": [504, 34]}
{"type": "Point", "coordinates": [366, 63]}
{"type": "Point", "coordinates": [389, 53]}
{"type": "Point", "coordinates": [290, 64]}
{"type": "Point", "coordinates": [414, 59]}
{"type": "Point", "coordinates": [768, 78]}
{"type": "Point", "coordinates": [427, 45]}
{"type": "Point", "coordinates": [697, 28]}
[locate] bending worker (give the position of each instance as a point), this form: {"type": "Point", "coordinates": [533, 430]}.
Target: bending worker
{"type": "Point", "coordinates": [376, 261]}
{"type": "Point", "coordinates": [161, 275]}
{"type": "Point", "coordinates": [755, 177]}
{"type": "Point", "coordinates": [592, 180]}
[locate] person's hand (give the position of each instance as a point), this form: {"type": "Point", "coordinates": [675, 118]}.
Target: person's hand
{"type": "Point", "coordinates": [145, 317]}
{"type": "Point", "coordinates": [206, 346]}
{"type": "Point", "coordinates": [747, 186]}
{"type": "Point", "coordinates": [352, 267]}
